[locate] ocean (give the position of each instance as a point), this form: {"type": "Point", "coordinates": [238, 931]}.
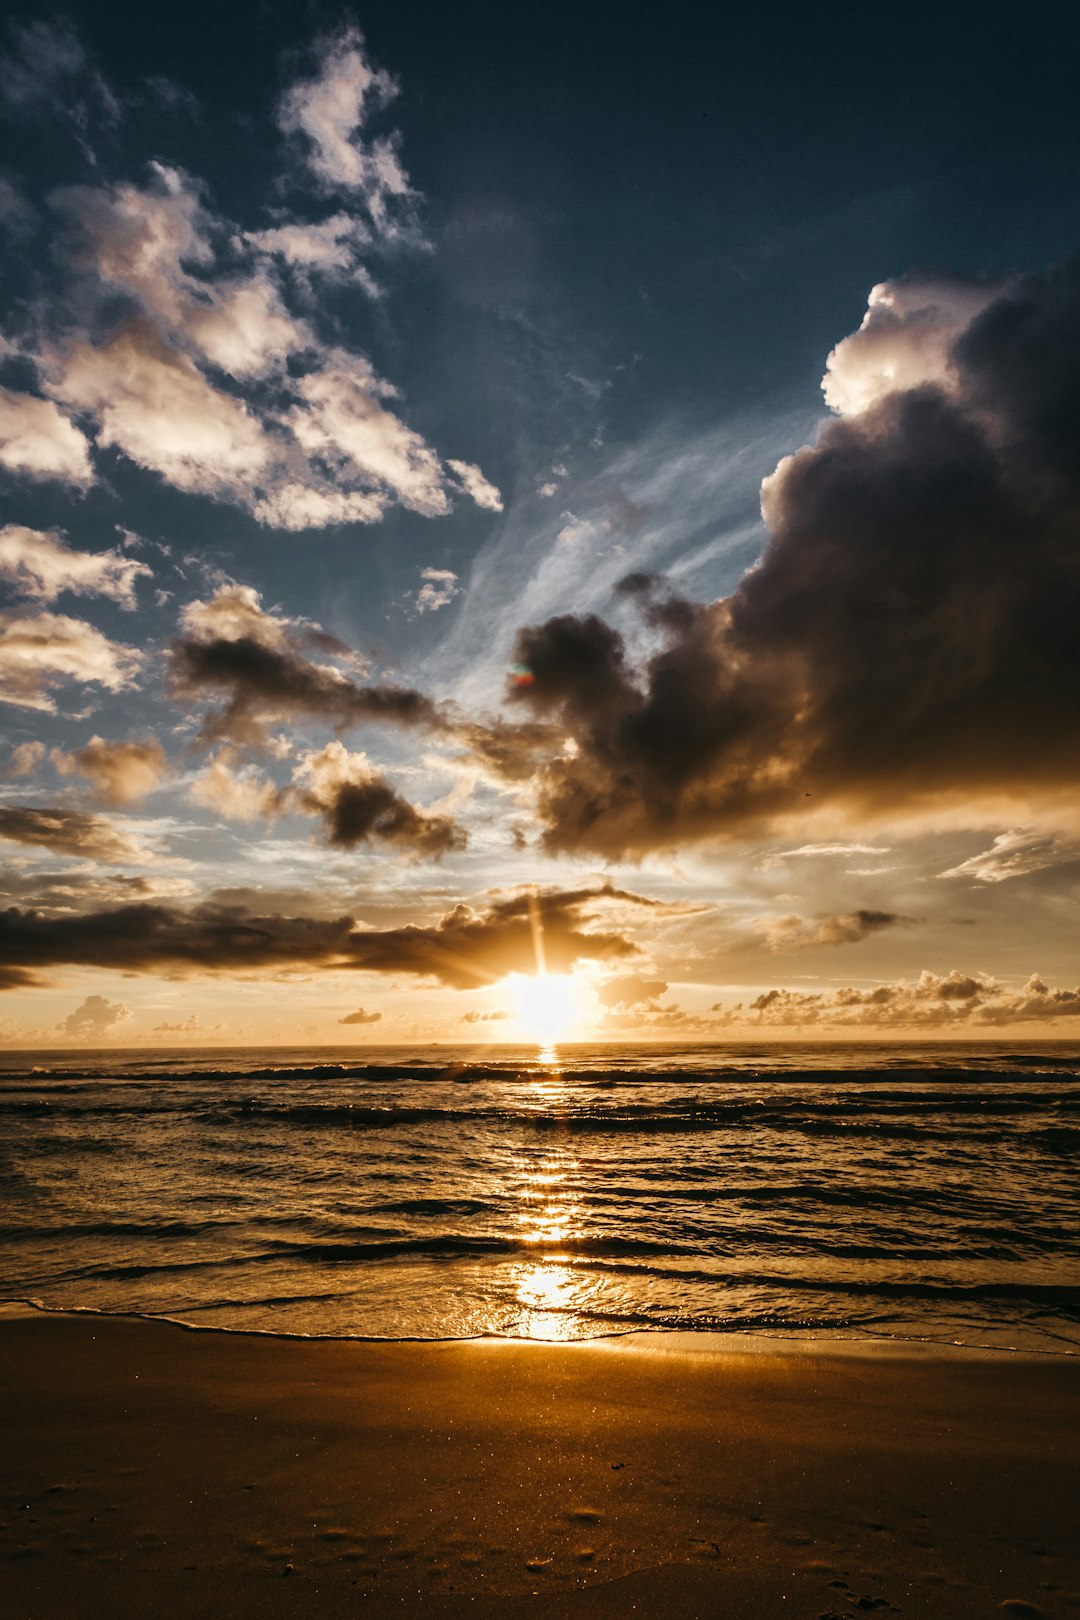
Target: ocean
{"type": "Point", "coordinates": [909, 1192]}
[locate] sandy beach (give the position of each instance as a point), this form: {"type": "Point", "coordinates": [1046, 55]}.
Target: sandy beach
{"type": "Point", "coordinates": [149, 1470]}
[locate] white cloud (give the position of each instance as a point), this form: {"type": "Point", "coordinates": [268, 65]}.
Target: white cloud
{"type": "Point", "coordinates": [904, 340]}
{"type": "Point", "coordinates": [37, 439]}
{"type": "Point", "coordinates": [343, 421]}
{"type": "Point", "coordinates": [139, 240]}
{"type": "Point", "coordinates": [574, 529]}
{"type": "Point", "coordinates": [298, 506]}
{"type": "Point", "coordinates": [93, 1019]}
{"type": "Point", "coordinates": [329, 247]}
{"type": "Point", "coordinates": [439, 588]}
{"type": "Point", "coordinates": [330, 111]}
{"type": "Point", "coordinates": [237, 794]}
{"type": "Point", "coordinates": [41, 565]}
{"type": "Point", "coordinates": [778, 858]}
{"type": "Point", "coordinates": [120, 772]}
{"type": "Point", "coordinates": [152, 403]}
{"type": "Point", "coordinates": [213, 382]}
{"type": "Point", "coordinates": [247, 332]}
{"type": "Point", "coordinates": [476, 485]}
{"type": "Point", "coordinates": [235, 613]}
{"type": "Point", "coordinates": [40, 651]}
{"type": "Point", "coordinates": [1015, 854]}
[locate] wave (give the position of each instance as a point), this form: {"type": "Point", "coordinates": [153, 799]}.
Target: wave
{"type": "Point", "coordinates": [897, 1114]}
{"type": "Point", "coordinates": [966, 1064]}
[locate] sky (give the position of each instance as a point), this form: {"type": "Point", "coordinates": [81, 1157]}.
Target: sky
{"type": "Point", "coordinates": [478, 484]}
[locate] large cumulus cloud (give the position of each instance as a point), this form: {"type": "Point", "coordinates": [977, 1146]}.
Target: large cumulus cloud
{"type": "Point", "coordinates": [909, 636]}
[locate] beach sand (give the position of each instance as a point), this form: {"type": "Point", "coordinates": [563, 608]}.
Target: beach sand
{"type": "Point", "coordinates": [147, 1471]}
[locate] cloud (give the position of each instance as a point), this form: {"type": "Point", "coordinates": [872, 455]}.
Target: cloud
{"type": "Point", "coordinates": [152, 402]}
{"type": "Point", "coordinates": [238, 794]}
{"type": "Point", "coordinates": [121, 772]}
{"type": "Point", "coordinates": [47, 76]}
{"type": "Point", "coordinates": [40, 565]}
{"type": "Point", "coordinates": [359, 806]}
{"type": "Point", "coordinates": [93, 1019]}
{"type": "Point", "coordinates": [195, 348]}
{"type": "Point", "coordinates": [779, 857]}
{"type": "Point", "coordinates": [37, 439]}
{"type": "Point", "coordinates": [793, 932]}
{"type": "Point", "coordinates": [139, 241]}
{"type": "Point", "coordinates": [257, 663]}
{"type": "Point", "coordinates": [439, 588]}
{"type": "Point", "coordinates": [467, 947]}
{"type": "Point", "coordinates": [329, 112]}
{"type": "Point", "coordinates": [69, 832]}
{"type": "Point", "coordinates": [361, 1017]}
{"type": "Point", "coordinates": [329, 247]}
{"type": "Point", "coordinates": [191, 1025]}
{"type": "Point", "coordinates": [341, 420]}
{"type": "Point", "coordinates": [82, 888]}
{"type": "Point", "coordinates": [907, 642]}
{"type": "Point", "coordinates": [495, 1016]}
{"type": "Point", "coordinates": [905, 339]}
{"type": "Point", "coordinates": [26, 759]}
{"type": "Point", "coordinates": [473, 482]}
{"type": "Point", "coordinates": [1015, 854]}
{"type": "Point", "coordinates": [932, 1001]}
{"type": "Point", "coordinates": [631, 990]}
{"type": "Point", "coordinates": [40, 651]}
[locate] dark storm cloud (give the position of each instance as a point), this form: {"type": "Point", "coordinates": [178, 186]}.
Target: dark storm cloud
{"type": "Point", "coordinates": [258, 666]}
{"type": "Point", "coordinates": [359, 806]}
{"type": "Point", "coordinates": [263, 684]}
{"type": "Point", "coordinates": [68, 832]}
{"type": "Point", "coordinates": [909, 636]}
{"type": "Point", "coordinates": [468, 946]}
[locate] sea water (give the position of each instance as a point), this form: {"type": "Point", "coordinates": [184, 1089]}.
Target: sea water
{"type": "Point", "coordinates": [913, 1192]}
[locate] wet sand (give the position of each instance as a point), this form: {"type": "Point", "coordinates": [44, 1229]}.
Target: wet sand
{"type": "Point", "coordinates": [147, 1471]}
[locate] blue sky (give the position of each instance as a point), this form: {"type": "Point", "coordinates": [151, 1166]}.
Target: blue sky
{"type": "Point", "coordinates": [351, 362]}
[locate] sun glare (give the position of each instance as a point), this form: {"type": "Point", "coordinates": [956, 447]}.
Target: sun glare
{"type": "Point", "coordinates": [545, 1006]}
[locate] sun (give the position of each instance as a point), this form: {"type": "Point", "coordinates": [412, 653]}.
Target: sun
{"type": "Point", "coordinates": [545, 1006]}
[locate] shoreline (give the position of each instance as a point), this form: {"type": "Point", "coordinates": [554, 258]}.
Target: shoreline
{"type": "Point", "coordinates": [659, 1341]}
{"type": "Point", "coordinates": [147, 1468]}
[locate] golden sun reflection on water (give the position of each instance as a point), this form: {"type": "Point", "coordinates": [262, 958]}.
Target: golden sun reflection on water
{"type": "Point", "coordinates": [546, 1295]}
{"type": "Point", "coordinates": [549, 1212]}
